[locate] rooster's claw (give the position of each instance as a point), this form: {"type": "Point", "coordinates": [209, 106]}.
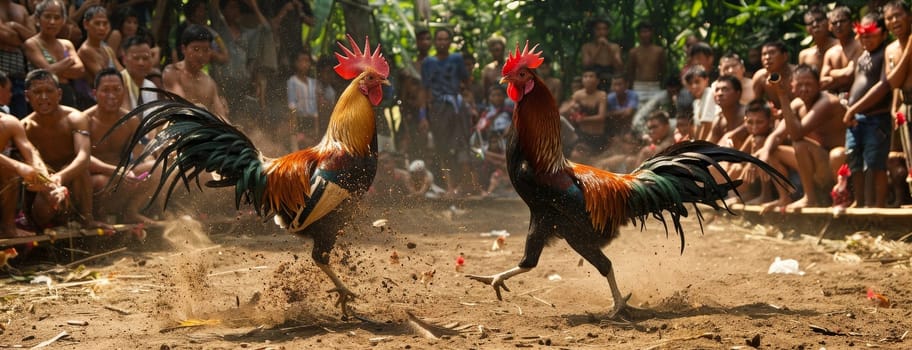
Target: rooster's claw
{"type": "Point", "coordinates": [345, 296]}
{"type": "Point", "coordinates": [494, 281]}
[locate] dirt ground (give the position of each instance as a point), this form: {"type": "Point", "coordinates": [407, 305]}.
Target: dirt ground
{"type": "Point", "coordinates": [253, 286]}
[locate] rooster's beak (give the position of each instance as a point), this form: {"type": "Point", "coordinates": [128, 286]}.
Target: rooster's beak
{"type": "Point", "coordinates": [386, 82]}
{"type": "Point", "coordinates": [502, 80]}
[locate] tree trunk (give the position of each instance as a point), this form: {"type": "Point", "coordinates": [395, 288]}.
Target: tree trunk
{"type": "Point", "coordinates": [357, 18]}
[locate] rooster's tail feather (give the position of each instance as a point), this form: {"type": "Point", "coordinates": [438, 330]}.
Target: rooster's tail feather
{"type": "Point", "coordinates": [192, 140]}
{"type": "Point", "coordinates": [680, 175]}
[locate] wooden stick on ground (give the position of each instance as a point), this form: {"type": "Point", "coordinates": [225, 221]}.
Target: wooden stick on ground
{"type": "Point", "coordinates": [45, 343]}
{"type": "Point", "coordinates": [93, 257]}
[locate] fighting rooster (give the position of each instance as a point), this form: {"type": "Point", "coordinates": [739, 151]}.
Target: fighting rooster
{"type": "Point", "coordinates": [309, 192]}
{"type": "Point", "coordinates": [584, 205]}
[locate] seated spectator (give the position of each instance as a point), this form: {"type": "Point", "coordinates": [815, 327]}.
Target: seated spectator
{"type": "Point", "coordinates": [94, 52]}
{"type": "Point", "coordinates": [138, 63]}
{"type": "Point", "coordinates": [775, 58]}
{"type": "Point", "coordinates": [758, 124]}
{"type": "Point", "coordinates": [187, 79]}
{"type": "Point", "coordinates": [58, 56]}
{"type": "Point", "coordinates": [61, 135]}
{"type": "Point", "coordinates": [127, 198]}
{"type": "Point", "coordinates": [726, 127]}
{"type": "Point", "coordinates": [657, 138]}
{"type": "Point", "coordinates": [588, 112]}
{"type": "Point", "coordinates": [666, 100]}
{"type": "Point", "coordinates": [421, 183]}
{"type": "Point", "coordinates": [622, 104]}
{"type": "Point", "coordinates": [704, 108]}
{"type": "Point", "coordinates": [684, 127]}
{"type": "Point", "coordinates": [731, 64]}
{"type": "Point", "coordinates": [28, 169]}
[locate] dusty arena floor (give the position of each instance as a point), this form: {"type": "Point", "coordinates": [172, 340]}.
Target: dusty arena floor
{"type": "Point", "coordinates": [255, 287]}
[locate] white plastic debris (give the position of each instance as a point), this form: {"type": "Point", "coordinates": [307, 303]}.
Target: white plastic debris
{"type": "Point", "coordinates": [554, 277]}
{"type": "Point", "coordinates": [787, 266]}
{"type": "Point", "coordinates": [496, 233]}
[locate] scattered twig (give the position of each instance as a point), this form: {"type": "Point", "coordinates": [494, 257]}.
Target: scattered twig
{"type": "Point", "coordinates": [93, 257]}
{"type": "Point", "coordinates": [518, 308]}
{"type": "Point", "coordinates": [825, 331]}
{"type": "Point", "coordinates": [428, 330]}
{"type": "Point", "coordinates": [540, 300]}
{"type": "Point", "coordinates": [57, 337]}
{"type": "Point", "coordinates": [117, 309]}
{"type": "Point", "coordinates": [246, 269]}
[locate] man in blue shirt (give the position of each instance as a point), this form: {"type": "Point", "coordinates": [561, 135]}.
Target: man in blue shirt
{"type": "Point", "coordinates": [442, 76]}
{"type": "Point", "coordinates": [622, 105]}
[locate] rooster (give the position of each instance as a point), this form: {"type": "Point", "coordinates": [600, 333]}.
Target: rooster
{"type": "Point", "coordinates": [310, 192]}
{"type": "Point", "coordinates": [586, 206]}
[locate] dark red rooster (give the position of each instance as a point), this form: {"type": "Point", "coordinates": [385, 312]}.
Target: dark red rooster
{"type": "Point", "coordinates": [308, 192]}
{"type": "Point", "coordinates": [586, 206]}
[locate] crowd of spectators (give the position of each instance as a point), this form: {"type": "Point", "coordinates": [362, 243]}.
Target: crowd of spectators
{"type": "Point", "coordinates": [68, 71]}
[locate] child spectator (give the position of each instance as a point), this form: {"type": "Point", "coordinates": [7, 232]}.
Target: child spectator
{"type": "Point", "coordinates": [684, 127]}
{"type": "Point", "coordinates": [306, 97]}
{"type": "Point", "coordinates": [704, 108]}
{"type": "Point", "coordinates": [868, 136]}
{"type": "Point", "coordinates": [758, 123]}
{"type": "Point", "coordinates": [44, 50]}
{"type": "Point", "coordinates": [490, 132]}
{"type": "Point", "coordinates": [421, 181]}
{"type": "Point", "coordinates": [622, 105]}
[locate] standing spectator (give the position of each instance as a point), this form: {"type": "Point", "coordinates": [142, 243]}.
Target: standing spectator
{"type": "Point", "coordinates": [839, 62]}
{"type": "Point", "coordinates": [237, 78]}
{"type": "Point", "coordinates": [491, 72]}
{"type": "Point", "coordinates": [187, 78]}
{"type": "Point", "coordinates": [288, 18]}
{"type": "Point", "coordinates": [622, 105]}
{"type": "Point", "coordinates": [195, 12]}
{"type": "Point", "coordinates": [137, 60]}
{"type": "Point", "coordinates": [817, 26]}
{"type": "Point", "coordinates": [306, 96]}
{"type": "Point", "coordinates": [732, 65]}
{"type": "Point", "coordinates": [94, 52]}
{"type": "Point", "coordinates": [490, 137]}
{"type": "Point", "coordinates": [646, 64]}
{"type": "Point", "coordinates": [442, 76]}
{"type": "Point", "coordinates": [600, 54]}
{"type": "Point", "coordinates": [775, 60]}
{"type": "Point", "coordinates": [588, 111]}
{"type": "Point", "coordinates": [45, 51]}
{"type": "Point", "coordinates": [61, 135]}
{"type": "Point", "coordinates": [702, 55]}
{"type": "Point", "coordinates": [16, 27]}
{"type": "Point", "coordinates": [868, 135]}
{"type": "Point", "coordinates": [413, 140]}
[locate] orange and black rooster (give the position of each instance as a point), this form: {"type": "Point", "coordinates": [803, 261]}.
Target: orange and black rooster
{"type": "Point", "coordinates": [308, 192]}
{"type": "Point", "coordinates": [586, 206]}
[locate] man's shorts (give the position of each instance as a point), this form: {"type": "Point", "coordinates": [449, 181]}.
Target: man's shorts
{"type": "Point", "coordinates": [868, 143]}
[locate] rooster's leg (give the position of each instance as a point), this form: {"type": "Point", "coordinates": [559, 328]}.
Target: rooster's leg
{"type": "Point", "coordinates": [345, 295]}
{"type": "Point", "coordinates": [497, 281]}
{"type": "Point", "coordinates": [597, 258]}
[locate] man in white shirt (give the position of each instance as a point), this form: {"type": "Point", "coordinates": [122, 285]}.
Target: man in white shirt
{"type": "Point", "coordinates": [137, 61]}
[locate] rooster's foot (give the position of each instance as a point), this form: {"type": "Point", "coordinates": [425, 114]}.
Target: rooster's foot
{"type": "Point", "coordinates": [623, 311]}
{"type": "Point", "coordinates": [345, 296]}
{"type": "Point", "coordinates": [496, 281]}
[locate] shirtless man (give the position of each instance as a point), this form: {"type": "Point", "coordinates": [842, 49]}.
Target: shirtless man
{"type": "Point", "coordinates": [490, 73]}
{"type": "Point", "coordinates": [588, 111]}
{"type": "Point", "coordinates": [774, 56]}
{"type": "Point", "coordinates": [13, 171]}
{"type": "Point", "coordinates": [61, 135]}
{"type": "Point", "coordinates": [726, 128]}
{"type": "Point", "coordinates": [810, 118]}
{"type": "Point", "coordinates": [137, 61]}
{"type": "Point", "coordinates": [130, 195]}
{"type": "Point", "coordinates": [601, 54]}
{"type": "Point", "coordinates": [186, 78]}
{"type": "Point", "coordinates": [94, 52]}
{"type": "Point", "coordinates": [839, 62]}
{"type": "Point", "coordinates": [817, 25]}
{"type": "Point", "coordinates": [646, 64]}
{"type": "Point", "coordinates": [731, 64]}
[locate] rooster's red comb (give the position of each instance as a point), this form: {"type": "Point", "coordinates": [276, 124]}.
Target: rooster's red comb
{"type": "Point", "coordinates": [354, 63]}
{"type": "Point", "coordinates": [526, 58]}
